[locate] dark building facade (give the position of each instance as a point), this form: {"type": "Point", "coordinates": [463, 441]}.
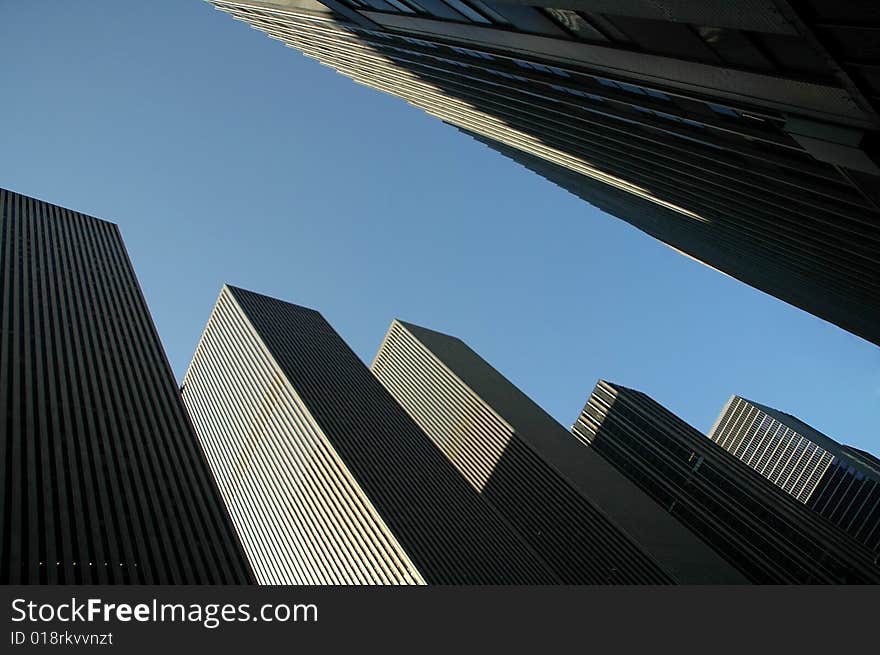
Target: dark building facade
{"type": "Point", "coordinates": [327, 478]}
{"type": "Point", "coordinates": [771, 537]}
{"type": "Point", "coordinates": [589, 522]}
{"type": "Point", "coordinates": [102, 480]}
{"type": "Point", "coordinates": [837, 481]}
{"type": "Point", "coordinates": [743, 134]}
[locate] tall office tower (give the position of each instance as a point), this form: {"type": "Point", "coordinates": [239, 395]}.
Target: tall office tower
{"type": "Point", "coordinates": [586, 520]}
{"type": "Point", "coordinates": [743, 134]}
{"type": "Point", "coordinates": [837, 481]}
{"type": "Point", "coordinates": [767, 534]}
{"type": "Point", "coordinates": [328, 480]}
{"type": "Point", "coordinates": [101, 477]}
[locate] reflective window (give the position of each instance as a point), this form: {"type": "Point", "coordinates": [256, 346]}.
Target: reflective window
{"type": "Point", "coordinates": [557, 71]}
{"type": "Point", "coordinates": [578, 92]}
{"type": "Point", "coordinates": [734, 47]}
{"type": "Point", "coordinates": [440, 9]}
{"type": "Point", "coordinates": [725, 111]}
{"type": "Point", "coordinates": [469, 12]}
{"type": "Point", "coordinates": [528, 19]}
{"type": "Point", "coordinates": [668, 117]}
{"type": "Point", "coordinates": [472, 53]}
{"type": "Point", "coordinates": [575, 24]}
{"type": "Point", "coordinates": [507, 75]}
{"type": "Point", "coordinates": [381, 5]}
{"type": "Point", "coordinates": [656, 94]}
{"type": "Point", "coordinates": [491, 13]}
{"type": "Point", "coordinates": [425, 44]}
{"type": "Point", "coordinates": [632, 88]}
{"type": "Point", "coordinates": [665, 38]}
{"type": "Point", "coordinates": [541, 67]}
{"type": "Point", "coordinates": [401, 6]}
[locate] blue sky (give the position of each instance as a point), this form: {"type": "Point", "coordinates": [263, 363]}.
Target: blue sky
{"type": "Point", "coordinates": [225, 156]}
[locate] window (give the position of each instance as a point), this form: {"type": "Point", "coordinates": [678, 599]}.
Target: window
{"type": "Point", "coordinates": [507, 75]}
{"type": "Point", "coordinates": [557, 71]}
{"type": "Point", "coordinates": [541, 67]}
{"type": "Point", "coordinates": [424, 44]}
{"type": "Point", "coordinates": [734, 47]}
{"type": "Point", "coordinates": [669, 117]}
{"type": "Point", "coordinates": [529, 19]}
{"type": "Point", "coordinates": [630, 88]}
{"type": "Point", "coordinates": [663, 37]}
{"type": "Point", "coordinates": [472, 53]}
{"type": "Point", "coordinates": [724, 111]}
{"type": "Point", "coordinates": [468, 12]}
{"type": "Point", "coordinates": [401, 6]}
{"type": "Point", "coordinates": [792, 54]}
{"type": "Point", "coordinates": [575, 24]}
{"type": "Point", "coordinates": [440, 9]}
{"type": "Point", "coordinates": [381, 5]}
{"type": "Point", "coordinates": [657, 94]}
{"type": "Point", "coordinates": [577, 92]}
{"type": "Point", "coordinates": [491, 13]}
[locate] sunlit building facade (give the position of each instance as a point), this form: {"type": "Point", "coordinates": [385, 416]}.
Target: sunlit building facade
{"type": "Point", "coordinates": [327, 478]}
{"type": "Point", "coordinates": [589, 522]}
{"type": "Point", "coordinates": [743, 133]}
{"type": "Point", "coordinates": [839, 482]}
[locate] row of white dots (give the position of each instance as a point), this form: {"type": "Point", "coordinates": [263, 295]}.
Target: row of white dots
{"type": "Point", "coordinates": [75, 563]}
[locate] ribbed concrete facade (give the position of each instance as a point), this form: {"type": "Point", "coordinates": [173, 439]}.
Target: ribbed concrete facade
{"type": "Point", "coordinates": [780, 453]}
{"type": "Point", "coordinates": [101, 477]}
{"type": "Point", "coordinates": [328, 480]}
{"type": "Point", "coordinates": [586, 520]}
{"type": "Point", "coordinates": [743, 134]}
{"type": "Point", "coordinates": [771, 537]}
{"type": "Point", "coordinates": [838, 482]}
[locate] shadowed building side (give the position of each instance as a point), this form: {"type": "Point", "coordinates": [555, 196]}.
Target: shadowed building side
{"type": "Point", "coordinates": [102, 480]}
{"type": "Point", "coordinates": [328, 480]}
{"type": "Point", "coordinates": [588, 522]}
{"type": "Point", "coordinates": [769, 536]}
{"type": "Point", "coordinates": [715, 245]}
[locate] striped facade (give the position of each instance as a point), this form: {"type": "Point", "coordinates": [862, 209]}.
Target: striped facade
{"type": "Point", "coordinates": [328, 480]}
{"type": "Point", "coordinates": [743, 134]}
{"type": "Point", "coordinates": [587, 521]}
{"type": "Point", "coordinates": [771, 537]}
{"type": "Point", "coordinates": [790, 460]}
{"type": "Point", "coordinates": [101, 477]}
{"type": "Point", "coordinates": [836, 481]}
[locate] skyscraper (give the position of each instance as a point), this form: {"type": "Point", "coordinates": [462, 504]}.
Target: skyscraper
{"type": "Point", "coordinates": [837, 481]}
{"type": "Point", "coordinates": [585, 519]}
{"type": "Point", "coordinates": [327, 478]}
{"type": "Point", "coordinates": [101, 478]}
{"type": "Point", "coordinates": [767, 534]}
{"type": "Point", "coordinates": [743, 134]}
